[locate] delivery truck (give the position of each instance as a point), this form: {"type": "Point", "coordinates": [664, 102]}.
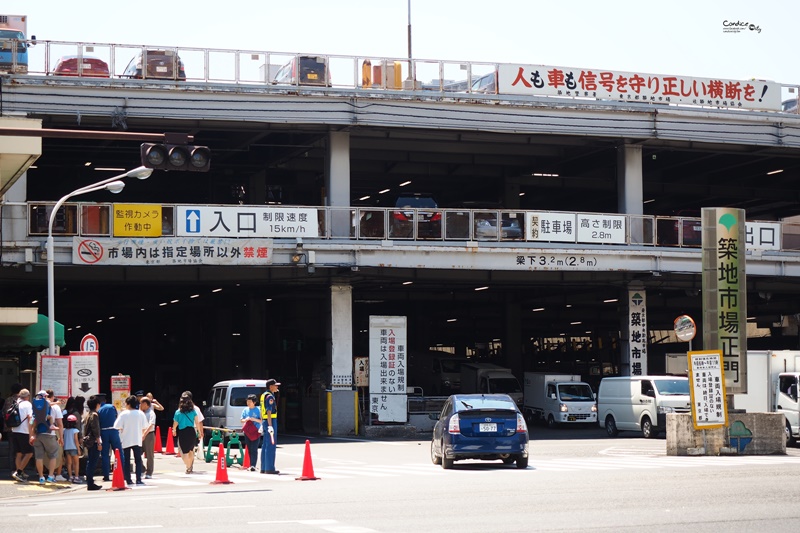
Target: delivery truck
{"type": "Point", "coordinates": [491, 379]}
{"type": "Point", "coordinates": [558, 399]}
{"type": "Point", "coordinates": [772, 384]}
{"type": "Point", "coordinates": [13, 44]}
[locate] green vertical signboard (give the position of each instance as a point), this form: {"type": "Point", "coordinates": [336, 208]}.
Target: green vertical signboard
{"type": "Point", "coordinates": [725, 292]}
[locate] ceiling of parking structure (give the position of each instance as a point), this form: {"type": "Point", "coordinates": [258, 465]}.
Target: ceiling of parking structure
{"type": "Point", "coordinates": [550, 172]}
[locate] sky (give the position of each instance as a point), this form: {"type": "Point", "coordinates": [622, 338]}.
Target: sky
{"type": "Point", "coordinates": [680, 37]}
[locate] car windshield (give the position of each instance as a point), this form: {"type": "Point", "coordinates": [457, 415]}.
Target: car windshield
{"type": "Point", "coordinates": [575, 392]}
{"type": "Point", "coordinates": [11, 34]}
{"type": "Point", "coordinates": [505, 385]}
{"type": "Point", "coordinates": [416, 202]}
{"type": "Point", "coordinates": [451, 367]}
{"type": "Point", "coordinates": [484, 402]}
{"type": "Point", "coordinates": [239, 395]}
{"type": "Point", "coordinates": [672, 387]}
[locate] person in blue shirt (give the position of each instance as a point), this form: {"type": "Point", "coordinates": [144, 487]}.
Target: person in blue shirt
{"type": "Point", "coordinates": [110, 436]}
{"type": "Point", "coordinates": [253, 414]}
{"type": "Point", "coordinates": [269, 413]}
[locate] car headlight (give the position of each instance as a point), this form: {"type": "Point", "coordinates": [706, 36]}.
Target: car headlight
{"type": "Point", "coordinates": [563, 408]}
{"type": "Point", "coordinates": [594, 408]}
{"type": "Point", "coordinates": [665, 409]}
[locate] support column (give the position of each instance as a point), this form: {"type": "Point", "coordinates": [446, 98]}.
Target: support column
{"type": "Point", "coordinates": [634, 335]}
{"type": "Point", "coordinates": [630, 187]}
{"type": "Point", "coordinates": [342, 413]}
{"type": "Point", "coordinates": [512, 345]}
{"type": "Point", "coordinates": [337, 182]}
{"type": "Point", "coordinates": [257, 346]}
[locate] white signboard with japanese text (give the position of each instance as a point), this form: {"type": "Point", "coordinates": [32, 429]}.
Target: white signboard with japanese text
{"type": "Point", "coordinates": [388, 364]}
{"type": "Point", "coordinates": [550, 227]}
{"type": "Point", "coordinates": [245, 221]}
{"type": "Point", "coordinates": [84, 373]}
{"type": "Point", "coordinates": [120, 390]}
{"type": "Point", "coordinates": [763, 235]}
{"type": "Point", "coordinates": [637, 331]}
{"type": "Point", "coordinates": [601, 229]}
{"type": "Point", "coordinates": [604, 84]}
{"type": "Point", "coordinates": [54, 374]}
{"type": "Point", "coordinates": [707, 387]}
{"type": "Point", "coordinates": [171, 251]}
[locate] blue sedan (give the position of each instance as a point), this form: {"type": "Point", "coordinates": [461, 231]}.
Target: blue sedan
{"type": "Point", "coordinates": [488, 427]}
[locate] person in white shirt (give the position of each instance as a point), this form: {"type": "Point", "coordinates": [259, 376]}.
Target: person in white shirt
{"type": "Point", "coordinates": [58, 432]}
{"type": "Point", "coordinates": [150, 435]}
{"type": "Point", "coordinates": [132, 425]}
{"type": "Point", "coordinates": [21, 436]}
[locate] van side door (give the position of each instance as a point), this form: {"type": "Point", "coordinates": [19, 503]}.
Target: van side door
{"type": "Point", "coordinates": [645, 404]}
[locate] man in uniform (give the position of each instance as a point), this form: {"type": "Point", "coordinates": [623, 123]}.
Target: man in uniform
{"type": "Point", "coordinates": [269, 412]}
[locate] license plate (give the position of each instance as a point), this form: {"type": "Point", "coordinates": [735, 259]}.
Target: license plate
{"type": "Point", "coordinates": [161, 69]}
{"type": "Point", "coordinates": [488, 428]}
{"type": "Point", "coordinates": [312, 76]}
{"type": "Point", "coordinates": [571, 419]}
{"type": "Point", "coordinates": [86, 66]}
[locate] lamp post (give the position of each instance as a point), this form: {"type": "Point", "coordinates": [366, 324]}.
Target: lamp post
{"type": "Point", "coordinates": [411, 75]}
{"type": "Point", "coordinates": [114, 185]}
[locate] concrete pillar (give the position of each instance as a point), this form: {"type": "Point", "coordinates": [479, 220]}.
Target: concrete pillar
{"type": "Point", "coordinates": [630, 188]}
{"type": "Point", "coordinates": [337, 182]}
{"type": "Point", "coordinates": [257, 347]}
{"type": "Point", "coordinates": [342, 413]}
{"type": "Point", "coordinates": [512, 343]}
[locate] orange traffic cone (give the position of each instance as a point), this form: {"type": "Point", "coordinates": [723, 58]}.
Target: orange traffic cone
{"type": "Point", "coordinates": [118, 479]}
{"type": "Point", "coordinates": [222, 468]}
{"type": "Point", "coordinates": [308, 466]}
{"type": "Point", "coordinates": [170, 444]}
{"type": "Point", "coordinates": [246, 463]}
{"type": "Point", "coordinates": [157, 448]}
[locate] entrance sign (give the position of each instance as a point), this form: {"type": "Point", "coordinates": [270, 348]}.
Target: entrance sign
{"type": "Point", "coordinates": [637, 331]}
{"type": "Point", "coordinates": [241, 221]}
{"type": "Point", "coordinates": [84, 373]}
{"type": "Point", "coordinates": [709, 409]}
{"type": "Point", "coordinates": [388, 364]}
{"type": "Point", "coordinates": [725, 291]}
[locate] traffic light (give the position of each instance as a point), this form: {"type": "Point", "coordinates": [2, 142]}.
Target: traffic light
{"type": "Point", "coordinates": [176, 157]}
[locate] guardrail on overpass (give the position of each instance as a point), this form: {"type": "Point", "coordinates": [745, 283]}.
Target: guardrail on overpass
{"type": "Point", "coordinates": [523, 227]}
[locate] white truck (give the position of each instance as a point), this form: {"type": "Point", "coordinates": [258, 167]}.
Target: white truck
{"type": "Point", "coordinates": [772, 385]}
{"type": "Point", "coordinates": [490, 379]}
{"type": "Point", "coordinates": [558, 399]}
{"type": "Point", "coordinates": [13, 44]}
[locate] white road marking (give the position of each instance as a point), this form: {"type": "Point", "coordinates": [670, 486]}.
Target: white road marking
{"type": "Point", "coordinates": [68, 514]}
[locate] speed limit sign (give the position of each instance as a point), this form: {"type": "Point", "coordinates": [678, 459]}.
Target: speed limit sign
{"type": "Point", "coordinates": [89, 343]}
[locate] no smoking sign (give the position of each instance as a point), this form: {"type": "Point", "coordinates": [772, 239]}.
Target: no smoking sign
{"type": "Point", "coordinates": [90, 251]}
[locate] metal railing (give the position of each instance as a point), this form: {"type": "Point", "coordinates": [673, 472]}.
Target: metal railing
{"type": "Point", "coordinates": [438, 225]}
{"type": "Point", "coordinates": [259, 68]}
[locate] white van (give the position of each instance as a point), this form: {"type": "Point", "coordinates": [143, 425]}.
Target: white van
{"type": "Point", "coordinates": [641, 403]}
{"type": "Point", "coordinates": [227, 400]}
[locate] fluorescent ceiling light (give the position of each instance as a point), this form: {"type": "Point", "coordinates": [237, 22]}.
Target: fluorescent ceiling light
{"type": "Point", "coordinates": [112, 317]}
{"type": "Point", "coordinates": [575, 323]}
{"type": "Point", "coordinates": [194, 296]}
{"type": "Point", "coordinates": [162, 304]}
{"type": "Point", "coordinates": [452, 319]}
{"type": "Point", "coordinates": [481, 288]}
{"type": "Point", "coordinates": [650, 201]}
{"type": "Point", "coordinates": [174, 301]}
{"type": "Point", "coordinates": [407, 282]}
{"type": "Point", "coordinates": [99, 321]}
{"type": "Point", "coordinates": [775, 172]}
{"type": "Point", "coordinates": [610, 301]}
{"type": "Point", "coordinates": [35, 302]}
{"type": "Point", "coordinates": [405, 183]}
{"type": "Point", "coordinates": [538, 309]}
{"type": "Point", "coordinates": [544, 174]}
{"type": "Point", "coordinates": [569, 305]}
{"type": "Point", "coordinates": [110, 169]}
{"type": "Point", "coordinates": [363, 198]}
{"type": "Point", "coordinates": [522, 194]}
{"type": "Point", "coordinates": [216, 290]}
{"type": "Point", "coordinates": [87, 164]}
{"type": "Point", "coordinates": [384, 191]}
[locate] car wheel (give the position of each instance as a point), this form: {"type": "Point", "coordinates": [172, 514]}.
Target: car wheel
{"type": "Point", "coordinates": [435, 458]}
{"type": "Point", "coordinates": [790, 440]}
{"type": "Point", "coordinates": [611, 426]}
{"type": "Point", "coordinates": [447, 464]}
{"type": "Point", "coordinates": [551, 422]}
{"type": "Point", "coordinates": [647, 428]}
{"type": "Point", "coordinates": [522, 462]}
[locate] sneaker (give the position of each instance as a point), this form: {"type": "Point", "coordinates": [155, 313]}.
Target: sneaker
{"type": "Point", "coordinates": [252, 469]}
{"type": "Point", "coordinates": [148, 476]}
{"type": "Point", "coordinates": [60, 478]}
{"type": "Point", "coordinates": [140, 483]}
{"type": "Point", "coordinates": [18, 476]}
{"type": "Point", "coordinates": [41, 481]}
{"type": "Point", "coordinates": [24, 475]}
{"type": "Point", "coordinates": [50, 479]}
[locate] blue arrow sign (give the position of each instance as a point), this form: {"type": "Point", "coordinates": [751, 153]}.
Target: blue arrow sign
{"type": "Point", "coordinates": [193, 221]}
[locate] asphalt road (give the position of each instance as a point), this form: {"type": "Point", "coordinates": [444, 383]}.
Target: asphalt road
{"type": "Point", "coordinates": [578, 480]}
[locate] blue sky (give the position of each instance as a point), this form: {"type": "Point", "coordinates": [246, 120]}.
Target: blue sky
{"type": "Point", "coordinates": [679, 37]}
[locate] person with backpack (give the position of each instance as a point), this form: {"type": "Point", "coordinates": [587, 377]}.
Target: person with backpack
{"type": "Point", "coordinates": [43, 438]}
{"type": "Point", "coordinates": [21, 436]}
{"type": "Point", "coordinates": [10, 402]}
{"type": "Point", "coordinates": [269, 412]}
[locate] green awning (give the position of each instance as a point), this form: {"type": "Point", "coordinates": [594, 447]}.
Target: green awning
{"type": "Point", "coordinates": [29, 338]}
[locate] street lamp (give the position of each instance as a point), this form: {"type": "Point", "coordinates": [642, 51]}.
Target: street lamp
{"type": "Point", "coordinates": [114, 185]}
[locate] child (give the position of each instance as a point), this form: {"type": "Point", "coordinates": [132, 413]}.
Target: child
{"type": "Point", "coordinates": [72, 446]}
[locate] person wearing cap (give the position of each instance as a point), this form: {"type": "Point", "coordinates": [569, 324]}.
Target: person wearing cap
{"type": "Point", "coordinates": [72, 448]}
{"type": "Point", "coordinates": [23, 450]}
{"type": "Point", "coordinates": [269, 413]}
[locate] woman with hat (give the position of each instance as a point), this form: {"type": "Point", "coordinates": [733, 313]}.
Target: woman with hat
{"type": "Point", "coordinates": [72, 447]}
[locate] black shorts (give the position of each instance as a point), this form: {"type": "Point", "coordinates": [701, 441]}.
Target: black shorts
{"type": "Point", "coordinates": [22, 443]}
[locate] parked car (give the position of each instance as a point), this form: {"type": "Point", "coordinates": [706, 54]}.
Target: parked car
{"type": "Point", "coordinates": [226, 400]}
{"type": "Point", "coordinates": [486, 84]}
{"type": "Point", "coordinates": [790, 106]}
{"type": "Point", "coordinates": [312, 70]}
{"type": "Point", "coordinates": [161, 65]}
{"type": "Point", "coordinates": [488, 427]}
{"type": "Point", "coordinates": [419, 208]}
{"type": "Point", "coordinates": [84, 66]}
